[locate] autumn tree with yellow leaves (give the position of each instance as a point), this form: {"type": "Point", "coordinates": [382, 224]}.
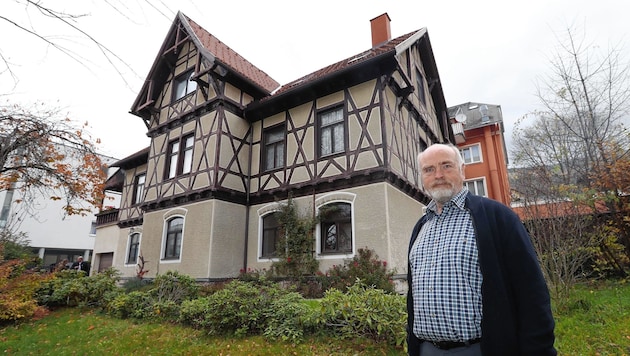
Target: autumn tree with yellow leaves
{"type": "Point", "coordinates": [45, 154]}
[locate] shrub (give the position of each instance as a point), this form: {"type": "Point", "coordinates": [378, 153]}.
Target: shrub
{"type": "Point", "coordinates": [135, 284]}
{"type": "Point", "coordinates": [17, 290]}
{"type": "Point", "coordinates": [365, 311]}
{"type": "Point", "coordinates": [136, 305]}
{"type": "Point", "coordinates": [240, 308]}
{"type": "Point", "coordinates": [75, 288]}
{"type": "Point", "coordinates": [289, 317]}
{"type": "Point", "coordinates": [175, 287]}
{"type": "Point", "coordinates": [256, 276]}
{"type": "Point", "coordinates": [194, 312]}
{"type": "Point", "coordinates": [364, 266]}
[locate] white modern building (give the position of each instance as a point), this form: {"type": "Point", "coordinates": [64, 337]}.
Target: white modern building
{"type": "Point", "coordinates": [51, 233]}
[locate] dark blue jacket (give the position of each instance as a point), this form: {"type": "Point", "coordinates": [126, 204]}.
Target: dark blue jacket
{"type": "Point", "coordinates": [517, 317]}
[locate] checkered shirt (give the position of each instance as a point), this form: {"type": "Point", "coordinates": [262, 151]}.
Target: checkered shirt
{"type": "Point", "coordinates": [446, 278]}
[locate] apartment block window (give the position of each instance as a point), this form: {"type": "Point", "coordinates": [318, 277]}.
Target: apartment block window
{"type": "Point", "coordinates": [336, 228]}
{"type": "Point", "coordinates": [270, 235]}
{"type": "Point", "coordinates": [133, 250]}
{"type": "Point", "coordinates": [138, 188]}
{"type": "Point", "coordinates": [420, 88]}
{"type": "Point", "coordinates": [332, 132]}
{"type": "Point", "coordinates": [180, 155]}
{"type": "Point", "coordinates": [471, 154]}
{"type": "Point", "coordinates": [183, 85]}
{"type": "Point", "coordinates": [274, 151]}
{"type": "Point", "coordinates": [477, 187]}
{"type": "Point", "coordinates": [173, 241]}
{"type": "Point", "coordinates": [93, 228]}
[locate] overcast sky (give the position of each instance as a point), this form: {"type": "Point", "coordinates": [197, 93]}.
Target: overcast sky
{"type": "Point", "coordinates": [486, 51]}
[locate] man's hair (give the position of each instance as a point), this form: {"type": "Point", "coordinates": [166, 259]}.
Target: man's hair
{"type": "Point", "coordinates": [458, 156]}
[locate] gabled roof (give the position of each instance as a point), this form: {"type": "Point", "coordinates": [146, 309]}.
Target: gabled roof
{"type": "Point", "coordinates": [353, 70]}
{"type": "Point", "coordinates": [389, 47]}
{"type": "Point", "coordinates": [211, 49]}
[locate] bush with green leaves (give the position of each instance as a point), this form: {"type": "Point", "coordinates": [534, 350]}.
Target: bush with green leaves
{"type": "Point", "coordinates": [364, 311]}
{"type": "Point", "coordinates": [75, 288]}
{"type": "Point", "coordinates": [364, 266]}
{"type": "Point", "coordinates": [289, 317]}
{"type": "Point", "coordinates": [135, 304]}
{"type": "Point", "coordinates": [160, 300]}
{"type": "Point", "coordinates": [174, 286]}
{"type": "Point", "coordinates": [246, 308]}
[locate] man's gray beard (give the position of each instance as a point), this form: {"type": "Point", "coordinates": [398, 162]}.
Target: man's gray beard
{"type": "Point", "coordinates": [442, 195]}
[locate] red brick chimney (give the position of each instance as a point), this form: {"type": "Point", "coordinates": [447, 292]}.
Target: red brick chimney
{"type": "Point", "coordinates": [381, 31]}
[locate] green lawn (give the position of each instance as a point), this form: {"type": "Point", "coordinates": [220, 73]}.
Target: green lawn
{"type": "Point", "coordinates": [595, 321]}
{"type": "Point", "coordinates": [76, 332]}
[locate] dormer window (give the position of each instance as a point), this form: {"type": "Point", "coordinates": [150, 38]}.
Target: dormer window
{"type": "Point", "coordinates": [184, 85]}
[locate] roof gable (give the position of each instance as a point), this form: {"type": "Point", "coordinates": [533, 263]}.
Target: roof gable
{"type": "Point", "coordinates": [210, 48]}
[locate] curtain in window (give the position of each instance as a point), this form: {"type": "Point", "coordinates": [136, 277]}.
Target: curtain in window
{"type": "Point", "coordinates": [332, 132]}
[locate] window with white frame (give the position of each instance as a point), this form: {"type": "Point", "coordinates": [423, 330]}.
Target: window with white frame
{"type": "Point", "coordinates": [332, 136]}
{"type": "Point", "coordinates": [173, 238]}
{"type": "Point", "coordinates": [336, 228]}
{"type": "Point", "coordinates": [184, 85]}
{"type": "Point", "coordinates": [270, 235]}
{"type": "Point", "coordinates": [471, 154]}
{"type": "Point", "coordinates": [180, 154]}
{"type": "Point", "coordinates": [133, 249]}
{"type": "Point", "coordinates": [274, 149]}
{"type": "Point", "coordinates": [138, 188]}
{"type": "Point", "coordinates": [476, 186]}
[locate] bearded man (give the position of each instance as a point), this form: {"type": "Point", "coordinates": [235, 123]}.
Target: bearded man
{"type": "Point", "coordinates": [475, 284]}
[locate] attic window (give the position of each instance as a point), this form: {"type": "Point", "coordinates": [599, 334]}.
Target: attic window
{"type": "Point", "coordinates": [184, 85]}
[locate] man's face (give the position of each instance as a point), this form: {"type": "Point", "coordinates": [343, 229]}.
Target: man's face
{"type": "Point", "coordinates": [441, 176]}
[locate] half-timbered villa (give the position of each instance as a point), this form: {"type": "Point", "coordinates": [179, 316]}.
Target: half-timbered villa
{"type": "Point", "coordinates": [229, 144]}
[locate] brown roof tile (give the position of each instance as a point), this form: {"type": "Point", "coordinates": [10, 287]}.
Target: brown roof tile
{"type": "Point", "coordinates": [232, 59]}
{"type": "Point", "coordinates": [386, 47]}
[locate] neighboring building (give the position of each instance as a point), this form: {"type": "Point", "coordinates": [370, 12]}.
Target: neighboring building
{"type": "Point", "coordinates": [51, 233]}
{"type": "Point", "coordinates": [229, 144]}
{"type": "Point", "coordinates": [478, 130]}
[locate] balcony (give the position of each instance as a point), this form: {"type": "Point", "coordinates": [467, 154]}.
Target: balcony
{"type": "Point", "coordinates": [458, 132]}
{"type": "Point", "coordinates": [107, 217]}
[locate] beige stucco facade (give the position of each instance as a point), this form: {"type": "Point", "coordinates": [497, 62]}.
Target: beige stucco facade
{"type": "Point", "coordinates": [382, 220]}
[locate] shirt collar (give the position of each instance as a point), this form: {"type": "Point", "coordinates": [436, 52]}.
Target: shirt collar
{"type": "Point", "coordinates": [458, 200]}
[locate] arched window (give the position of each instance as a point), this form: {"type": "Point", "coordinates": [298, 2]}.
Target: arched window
{"type": "Point", "coordinates": [336, 228]}
{"type": "Point", "coordinates": [270, 235]}
{"type": "Point", "coordinates": [173, 242]}
{"type": "Point", "coordinates": [133, 250]}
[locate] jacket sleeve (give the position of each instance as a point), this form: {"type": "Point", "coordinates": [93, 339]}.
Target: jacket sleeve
{"type": "Point", "coordinates": [413, 343]}
{"type": "Point", "coordinates": [525, 278]}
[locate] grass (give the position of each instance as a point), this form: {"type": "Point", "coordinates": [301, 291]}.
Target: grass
{"type": "Point", "coordinates": [72, 331]}
{"type": "Point", "coordinates": [594, 321]}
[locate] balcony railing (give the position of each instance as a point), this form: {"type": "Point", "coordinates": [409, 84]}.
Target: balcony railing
{"type": "Point", "coordinates": [107, 217]}
{"type": "Point", "coordinates": [458, 132]}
